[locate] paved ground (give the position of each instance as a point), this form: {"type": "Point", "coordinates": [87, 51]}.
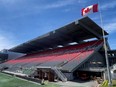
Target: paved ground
{"type": "Point", "coordinates": [77, 84]}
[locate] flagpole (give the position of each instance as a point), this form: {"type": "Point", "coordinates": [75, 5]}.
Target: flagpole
{"type": "Point", "coordinates": [105, 48]}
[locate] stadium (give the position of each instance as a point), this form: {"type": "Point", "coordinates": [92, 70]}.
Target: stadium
{"type": "Point", "coordinates": [74, 51]}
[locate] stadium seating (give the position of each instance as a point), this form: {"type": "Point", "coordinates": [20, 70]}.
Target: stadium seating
{"type": "Point", "coordinates": [64, 57]}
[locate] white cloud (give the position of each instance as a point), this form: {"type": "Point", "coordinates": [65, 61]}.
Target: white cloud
{"type": "Point", "coordinates": [9, 1]}
{"type": "Point", "coordinates": [60, 4]}
{"type": "Point", "coordinates": [110, 27]}
{"type": "Point", "coordinates": [25, 7]}
{"type": "Point", "coordinates": [6, 40]}
{"type": "Point", "coordinates": [67, 10]}
{"type": "Point", "coordinates": [106, 6]}
{"type": "Point", "coordinates": [54, 4]}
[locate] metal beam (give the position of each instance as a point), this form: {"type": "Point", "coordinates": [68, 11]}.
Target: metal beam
{"type": "Point", "coordinates": [90, 30]}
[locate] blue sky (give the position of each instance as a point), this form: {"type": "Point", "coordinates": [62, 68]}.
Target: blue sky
{"type": "Point", "coordinates": [23, 20]}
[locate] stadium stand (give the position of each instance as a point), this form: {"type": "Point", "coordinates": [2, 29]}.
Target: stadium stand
{"type": "Point", "coordinates": [66, 58]}
{"type": "Point", "coordinates": [3, 57]}
{"type": "Point", "coordinates": [57, 56]}
{"type": "Point", "coordinates": [45, 60]}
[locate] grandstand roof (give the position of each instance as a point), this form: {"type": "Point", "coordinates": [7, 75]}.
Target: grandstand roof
{"type": "Point", "coordinates": [77, 31]}
{"type": "Point", "coordinates": [3, 56]}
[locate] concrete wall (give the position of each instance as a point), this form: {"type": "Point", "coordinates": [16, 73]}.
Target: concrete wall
{"type": "Point", "coordinates": [12, 55]}
{"type": "Point", "coordinates": [69, 76]}
{"type": "Point", "coordinates": [97, 60]}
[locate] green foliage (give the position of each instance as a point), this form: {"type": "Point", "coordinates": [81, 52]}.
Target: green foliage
{"type": "Point", "coordinates": [105, 83]}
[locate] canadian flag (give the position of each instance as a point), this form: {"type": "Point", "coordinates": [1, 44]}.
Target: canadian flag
{"type": "Point", "coordinates": [89, 9]}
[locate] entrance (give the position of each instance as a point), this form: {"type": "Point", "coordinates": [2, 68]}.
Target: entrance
{"type": "Point", "coordinates": [87, 75]}
{"type": "Point", "coordinates": [45, 74]}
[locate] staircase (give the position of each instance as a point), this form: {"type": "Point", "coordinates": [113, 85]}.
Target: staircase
{"type": "Point", "coordinates": [60, 74]}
